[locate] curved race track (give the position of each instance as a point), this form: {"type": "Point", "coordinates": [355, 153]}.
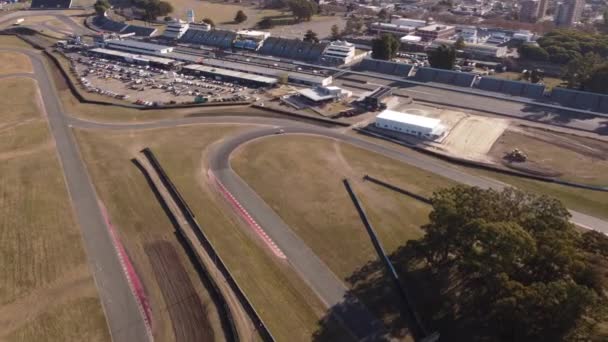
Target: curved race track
{"type": "Point", "coordinates": [122, 311]}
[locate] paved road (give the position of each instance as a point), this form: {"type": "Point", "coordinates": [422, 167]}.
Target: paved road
{"type": "Point", "coordinates": [122, 311]}
{"type": "Point", "coordinates": [124, 317]}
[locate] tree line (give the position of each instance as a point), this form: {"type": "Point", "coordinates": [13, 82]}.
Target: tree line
{"type": "Point", "coordinates": [516, 268]}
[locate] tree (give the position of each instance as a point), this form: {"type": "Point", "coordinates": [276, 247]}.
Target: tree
{"type": "Point", "coordinates": [302, 9]}
{"type": "Point", "coordinates": [385, 47]}
{"type": "Point", "coordinates": [534, 53]}
{"type": "Point", "coordinates": [518, 269]}
{"type": "Point", "coordinates": [598, 82]}
{"type": "Point", "coordinates": [442, 57]}
{"type": "Point", "coordinates": [265, 23]}
{"type": "Point", "coordinates": [101, 6]}
{"type": "Point", "coordinates": [153, 8]}
{"type": "Point", "coordinates": [534, 76]}
{"type": "Point", "coordinates": [578, 71]}
{"type": "Point", "coordinates": [209, 22]}
{"type": "Point", "coordinates": [459, 44]}
{"type": "Point", "coordinates": [335, 32]}
{"type": "Point", "coordinates": [283, 78]}
{"type": "Point", "coordinates": [240, 17]}
{"type": "Point", "coordinates": [311, 36]}
{"type": "Point", "coordinates": [384, 15]}
{"type": "Point", "coordinates": [353, 25]}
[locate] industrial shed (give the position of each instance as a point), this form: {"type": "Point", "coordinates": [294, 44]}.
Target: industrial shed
{"type": "Point", "coordinates": [416, 125]}
{"type": "Point", "coordinates": [229, 75]}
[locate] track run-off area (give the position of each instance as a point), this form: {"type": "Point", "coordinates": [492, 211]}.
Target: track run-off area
{"type": "Point", "coordinates": [123, 310]}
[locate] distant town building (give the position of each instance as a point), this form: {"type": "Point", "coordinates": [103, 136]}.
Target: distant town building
{"type": "Point", "coordinates": [435, 31]}
{"type": "Point", "coordinates": [190, 16]}
{"type": "Point", "coordinates": [542, 8]}
{"type": "Point", "coordinates": [528, 11]}
{"type": "Point", "coordinates": [410, 22]}
{"type": "Point", "coordinates": [481, 51]}
{"type": "Point", "coordinates": [569, 12]}
{"type": "Point", "coordinates": [339, 52]}
{"type": "Point", "coordinates": [397, 30]}
{"type": "Point", "coordinates": [468, 33]}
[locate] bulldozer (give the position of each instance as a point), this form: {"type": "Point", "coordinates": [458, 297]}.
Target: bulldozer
{"type": "Point", "coordinates": [516, 155]}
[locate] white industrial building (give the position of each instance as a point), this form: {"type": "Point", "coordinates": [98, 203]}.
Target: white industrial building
{"type": "Point", "coordinates": [341, 51]}
{"type": "Point", "coordinates": [134, 46]}
{"type": "Point", "coordinates": [416, 125]}
{"type": "Point", "coordinates": [175, 29]}
{"type": "Point", "coordinates": [322, 94]}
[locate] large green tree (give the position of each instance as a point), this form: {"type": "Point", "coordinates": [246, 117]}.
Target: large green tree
{"type": "Point", "coordinates": [101, 6]}
{"type": "Point", "coordinates": [385, 47]}
{"type": "Point", "coordinates": [302, 9]}
{"type": "Point", "coordinates": [240, 17]}
{"type": "Point", "coordinates": [518, 269]}
{"type": "Point", "coordinates": [311, 36]}
{"type": "Point", "coordinates": [598, 81]}
{"type": "Point", "coordinates": [442, 57]}
{"type": "Point", "coordinates": [153, 8]}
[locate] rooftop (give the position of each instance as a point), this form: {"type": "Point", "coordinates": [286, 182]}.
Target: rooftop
{"type": "Point", "coordinates": [410, 119]}
{"type": "Point", "coordinates": [137, 44]}
{"type": "Point", "coordinates": [231, 73]}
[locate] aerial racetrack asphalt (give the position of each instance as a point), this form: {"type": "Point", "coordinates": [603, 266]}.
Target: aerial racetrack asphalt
{"type": "Point", "coordinates": [122, 310]}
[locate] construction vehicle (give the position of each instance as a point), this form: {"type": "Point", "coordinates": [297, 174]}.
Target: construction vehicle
{"type": "Point", "coordinates": [516, 155]}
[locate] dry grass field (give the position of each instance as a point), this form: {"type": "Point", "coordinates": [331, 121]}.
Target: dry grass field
{"type": "Point", "coordinates": [13, 41]}
{"type": "Point", "coordinates": [284, 302]}
{"type": "Point", "coordinates": [585, 201]}
{"type": "Point", "coordinates": [46, 287]}
{"type": "Point", "coordinates": [317, 207]}
{"type": "Point", "coordinates": [222, 13]}
{"type": "Point", "coordinates": [14, 62]}
{"type": "Point", "coordinates": [315, 204]}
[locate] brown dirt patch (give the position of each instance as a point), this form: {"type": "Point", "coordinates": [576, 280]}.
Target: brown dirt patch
{"type": "Point", "coordinates": [188, 315]}
{"type": "Point", "coordinates": [569, 157]}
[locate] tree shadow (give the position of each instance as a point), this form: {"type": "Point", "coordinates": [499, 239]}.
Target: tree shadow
{"type": "Point", "coordinates": [371, 286]}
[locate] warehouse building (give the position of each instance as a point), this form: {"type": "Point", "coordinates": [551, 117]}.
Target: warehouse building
{"type": "Point", "coordinates": [134, 46]}
{"type": "Point", "coordinates": [153, 61]}
{"type": "Point", "coordinates": [416, 125]}
{"type": "Point", "coordinates": [229, 75]}
{"type": "Point", "coordinates": [325, 94]}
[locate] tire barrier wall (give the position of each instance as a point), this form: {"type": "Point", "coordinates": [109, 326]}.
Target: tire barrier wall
{"type": "Point", "coordinates": [189, 215]}
{"type": "Point", "coordinates": [223, 308]}
{"type": "Point", "coordinates": [418, 329]}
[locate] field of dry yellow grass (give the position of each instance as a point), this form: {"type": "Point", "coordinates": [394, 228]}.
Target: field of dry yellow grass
{"type": "Point", "coordinates": [46, 290]}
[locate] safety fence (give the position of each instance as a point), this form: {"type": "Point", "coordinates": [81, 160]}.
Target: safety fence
{"type": "Point", "coordinates": [418, 329]}
{"type": "Point", "coordinates": [206, 243]}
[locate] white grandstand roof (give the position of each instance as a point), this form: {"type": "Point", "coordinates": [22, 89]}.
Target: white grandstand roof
{"type": "Point", "coordinates": [409, 119]}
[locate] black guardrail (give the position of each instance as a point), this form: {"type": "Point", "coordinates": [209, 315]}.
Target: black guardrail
{"type": "Point", "coordinates": [397, 189]}
{"type": "Point", "coordinates": [219, 263]}
{"type": "Point", "coordinates": [418, 329]}
{"type": "Point", "coordinates": [214, 291]}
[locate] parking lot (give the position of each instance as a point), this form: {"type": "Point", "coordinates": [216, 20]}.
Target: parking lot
{"type": "Point", "coordinates": [150, 86]}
